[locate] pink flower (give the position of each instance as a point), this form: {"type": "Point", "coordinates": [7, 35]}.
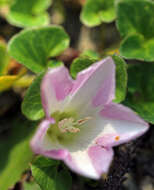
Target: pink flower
{"type": "Point", "coordinates": [82, 124]}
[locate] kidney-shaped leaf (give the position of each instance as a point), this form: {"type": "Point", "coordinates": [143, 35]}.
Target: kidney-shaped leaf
{"type": "Point", "coordinates": [27, 13]}
{"type": "Point", "coordinates": [97, 11]}
{"type": "Point", "coordinates": [80, 64]}
{"type": "Point", "coordinates": [32, 106]}
{"type": "Point", "coordinates": [33, 47]}
{"type": "Point", "coordinates": [140, 90]}
{"type": "Point", "coordinates": [46, 174]}
{"type": "Point", "coordinates": [121, 78]}
{"type": "Point", "coordinates": [31, 186]}
{"type": "Point", "coordinates": [135, 22]}
{"type": "Point", "coordinates": [16, 154]}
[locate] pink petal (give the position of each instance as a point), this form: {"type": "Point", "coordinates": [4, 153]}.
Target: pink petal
{"type": "Point", "coordinates": [90, 153]}
{"type": "Point", "coordinates": [36, 142]}
{"type": "Point", "coordinates": [101, 158]}
{"type": "Point", "coordinates": [80, 163]}
{"type": "Point", "coordinates": [60, 154]}
{"type": "Point", "coordinates": [82, 160]}
{"type": "Point", "coordinates": [55, 87]}
{"type": "Point", "coordinates": [94, 86]}
{"type": "Point", "coordinates": [109, 132]}
{"type": "Point", "coordinates": [122, 125]}
{"type": "Point", "coordinates": [90, 163]}
{"type": "Point", "coordinates": [121, 112]}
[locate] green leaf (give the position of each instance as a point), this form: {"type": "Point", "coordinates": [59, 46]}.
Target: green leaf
{"type": "Point", "coordinates": [98, 11]}
{"type": "Point", "coordinates": [16, 153]}
{"type": "Point", "coordinates": [63, 180]}
{"type": "Point", "coordinates": [121, 78]}
{"type": "Point", "coordinates": [4, 2]}
{"type": "Point", "coordinates": [143, 108]}
{"type": "Point", "coordinates": [136, 28]}
{"type": "Point", "coordinates": [43, 162]}
{"type": "Point", "coordinates": [4, 59]}
{"type": "Point", "coordinates": [27, 13]}
{"type": "Point", "coordinates": [34, 47]}
{"type": "Point", "coordinates": [31, 105]}
{"type": "Point", "coordinates": [31, 186]}
{"type": "Point", "coordinates": [140, 90]}
{"type": "Point", "coordinates": [44, 171]}
{"type": "Point", "coordinates": [46, 174]}
{"type": "Point", "coordinates": [91, 54]}
{"type": "Point", "coordinates": [54, 63]}
{"type": "Point", "coordinates": [80, 64]}
{"type": "Point", "coordinates": [141, 80]}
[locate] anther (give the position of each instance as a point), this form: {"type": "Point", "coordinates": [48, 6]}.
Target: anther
{"type": "Point", "coordinates": [67, 125]}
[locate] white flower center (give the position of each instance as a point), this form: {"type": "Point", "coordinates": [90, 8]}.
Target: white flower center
{"type": "Point", "coordinates": [65, 128]}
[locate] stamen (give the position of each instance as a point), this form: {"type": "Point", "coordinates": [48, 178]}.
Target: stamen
{"type": "Point", "coordinates": [68, 124]}
{"type": "Point", "coordinates": [82, 121]}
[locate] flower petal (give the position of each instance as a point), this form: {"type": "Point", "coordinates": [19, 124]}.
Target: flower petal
{"type": "Point", "coordinates": [121, 112]}
{"type": "Point", "coordinates": [94, 86]}
{"type": "Point", "coordinates": [122, 125]}
{"type": "Point", "coordinates": [108, 131]}
{"type": "Point", "coordinates": [80, 158]}
{"type": "Point", "coordinates": [101, 158]}
{"type": "Point", "coordinates": [89, 153]}
{"type": "Point", "coordinates": [41, 145]}
{"type": "Point", "coordinates": [91, 163]}
{"type": "Point", "coordinates": [55, 87]}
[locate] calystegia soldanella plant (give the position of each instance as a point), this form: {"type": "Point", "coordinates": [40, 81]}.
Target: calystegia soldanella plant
{"type": "Point", "coordinates": [76, 94]}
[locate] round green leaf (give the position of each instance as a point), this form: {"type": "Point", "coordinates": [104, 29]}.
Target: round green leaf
{"type": "Point", "coordinates": [33, 47]}
{"type": "Point", "coordinates": [27, 13]}
{"type": "Point", "coordinates": [80, 64]}
{"type": "Point", "coordinates": [31, 105]}
{"type": "Point", "coordinates": [140, 90]}
{"type": "Point", "coordinates": [16, 151]}
{"type": "Point", "coordinates": [27, 20]}
{"type": "Point", "coordinates": [121, 78]}
{"type": "Point", "coordinates": [98, 11]}
{"type": "Point", "coordinates": [144, 109]}
{"type": "Point", "coordinates": [31, 186]}
{"type": "Point", "coordinates": [43, 171]}
{"type": "Point", "coordinates": [136, 46]}
{"type": "Point", "coordinates": [46, 174]}
{"type": "Point", "coordinates": [63, 180]}
{"type": "Point", "coordinates": [137, 28]}
{"type": "Point", "coordinates": [91, 54]}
